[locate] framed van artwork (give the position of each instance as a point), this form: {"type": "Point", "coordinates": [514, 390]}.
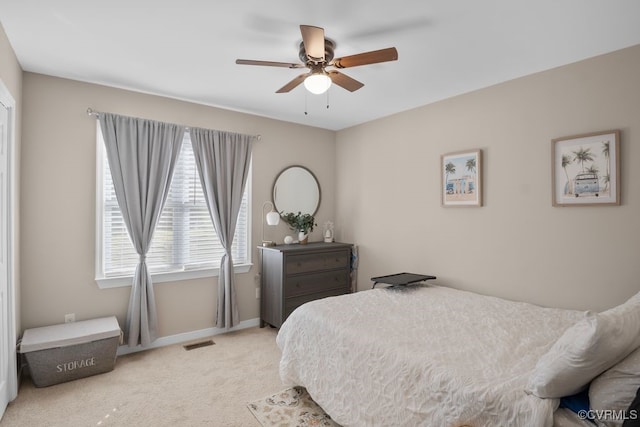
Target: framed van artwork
{"type": "Point", "coordinates": [586, 169]}
{"type": "Point", "coordinates": [461, 178]}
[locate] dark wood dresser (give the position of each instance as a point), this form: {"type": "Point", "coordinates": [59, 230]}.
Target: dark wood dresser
{"type": "Point", "coordinates": [294, 274]}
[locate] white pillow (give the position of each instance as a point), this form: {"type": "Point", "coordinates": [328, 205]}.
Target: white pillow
{"type": "Point", "coordinates": [586, 349]}
{"type": "Point", "coordinates": [616, 388]}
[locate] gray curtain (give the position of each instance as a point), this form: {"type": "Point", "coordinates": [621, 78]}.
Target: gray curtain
{"type": "Point", "coordinates": [142, 155]}
{"type": "Point", "coordinates": [222, 159]}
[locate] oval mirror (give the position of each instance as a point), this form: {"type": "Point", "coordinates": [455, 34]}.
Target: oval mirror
{"type": "Point", "coordinates": [296, 189]}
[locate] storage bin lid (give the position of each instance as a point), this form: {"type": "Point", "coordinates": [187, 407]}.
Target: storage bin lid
{"type": "Point", "coordinates": [67, 334]}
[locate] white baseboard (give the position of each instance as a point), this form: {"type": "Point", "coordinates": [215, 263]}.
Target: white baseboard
{"type": "Point", "coordinates": [188, 336]}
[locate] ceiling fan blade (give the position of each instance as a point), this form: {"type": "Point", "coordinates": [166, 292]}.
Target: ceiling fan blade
{"type": "Point", "coordinates": [373, 57]}
{"type": "Point", "coordinates": [344, 81]}
{"type": "Point", "coordinates": [293, 83]}
{"type": "Point", "coordinates": [313, 39]}
{"type": "Point", "coordinates": [269, 63]}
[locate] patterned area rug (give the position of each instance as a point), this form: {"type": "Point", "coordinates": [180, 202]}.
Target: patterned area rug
{"type": "Point", "coordinates": [291, 407]}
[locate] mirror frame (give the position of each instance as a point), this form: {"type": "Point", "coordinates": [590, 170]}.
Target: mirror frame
{"type": "Point", "coordinates": [273, 187]}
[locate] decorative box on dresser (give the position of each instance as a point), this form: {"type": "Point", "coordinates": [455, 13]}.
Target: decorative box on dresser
{"type": "Point", "coordinates": [295, 274]}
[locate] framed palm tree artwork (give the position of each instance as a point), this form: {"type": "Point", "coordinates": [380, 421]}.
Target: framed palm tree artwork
{"type": "Point", "coordinates": [586, 169]}
{"type": "Point", "coordinates": [461, 178]}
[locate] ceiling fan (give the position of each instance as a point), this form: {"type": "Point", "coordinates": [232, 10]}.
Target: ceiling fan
{"type": "Point", "coordinates": [316, 54]}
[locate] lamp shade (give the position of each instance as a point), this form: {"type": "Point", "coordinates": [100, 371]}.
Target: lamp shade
{"type": "Point", "coordinates": [317, 83]}
{"type": "Point", "coordinates": [273, 218]}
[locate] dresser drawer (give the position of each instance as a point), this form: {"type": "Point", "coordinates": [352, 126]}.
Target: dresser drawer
{"type": "Point", "coordinates": [317, 282]}
{"type": "Point", "coordinates": [291, 304]}
{"type": "Point", "coordinates": [304, 263]}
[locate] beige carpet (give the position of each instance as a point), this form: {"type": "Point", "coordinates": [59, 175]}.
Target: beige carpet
{"type": "Point", "coordinates": [169, 386]}
{"type": "Point", "coordinates": [291, 407]}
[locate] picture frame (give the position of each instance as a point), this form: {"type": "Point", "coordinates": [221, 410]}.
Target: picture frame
{"type": "Point", "coordinates": [461, 178]}
{"type": "Point", "coordinates": [586, 169]}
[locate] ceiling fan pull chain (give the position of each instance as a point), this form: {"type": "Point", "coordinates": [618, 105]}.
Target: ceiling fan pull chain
{"type": "Point", "coordinates": [306, 97]}
{"type": "Point", "coordinates": [327, 100]}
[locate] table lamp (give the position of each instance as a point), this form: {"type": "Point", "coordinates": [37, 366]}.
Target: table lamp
{"type": "Point", "coordinates": [273, 218]}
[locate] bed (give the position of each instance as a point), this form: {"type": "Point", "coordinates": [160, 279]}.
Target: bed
{"type": "Point", "coordinates": [428, 355]}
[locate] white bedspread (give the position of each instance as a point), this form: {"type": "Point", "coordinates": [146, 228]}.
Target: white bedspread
{"type": "Point", "coordinates": [421, 356]}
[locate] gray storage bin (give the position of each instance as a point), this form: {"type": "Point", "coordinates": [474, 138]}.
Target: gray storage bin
{"type": "Point", "coordinates": [60, 353]}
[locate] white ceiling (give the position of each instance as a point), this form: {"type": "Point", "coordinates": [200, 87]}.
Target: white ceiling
{"type": "Point", "coordinates": [187, 49]}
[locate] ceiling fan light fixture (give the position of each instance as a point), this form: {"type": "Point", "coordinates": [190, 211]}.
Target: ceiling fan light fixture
{"type": "Point", "coordinates": [317, 52]}
{"type": "Point", "coordinates": [317, 83]}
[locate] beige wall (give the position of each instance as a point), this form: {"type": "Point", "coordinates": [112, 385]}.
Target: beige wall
{"type": "Point", "coordinates": [380, 183]}
{"type": "Point", "coordinates": [58, 200]}
{"type": "Point", "coordinates": [10, 71]}
{"type": "Point", "coordinates": [11, 77]}
{"type": "Point", "coordinates": [517, 246]}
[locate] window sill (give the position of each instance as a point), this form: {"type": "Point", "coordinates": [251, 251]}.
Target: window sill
{"type": "Point", "coordinates": [125, 281]}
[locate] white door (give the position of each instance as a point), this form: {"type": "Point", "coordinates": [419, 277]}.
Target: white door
{"type": "Point", "coordinates": [7, 349]}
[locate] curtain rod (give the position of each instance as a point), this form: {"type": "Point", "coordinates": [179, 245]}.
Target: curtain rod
{"type": "Point", "coordinates": [96, 114]}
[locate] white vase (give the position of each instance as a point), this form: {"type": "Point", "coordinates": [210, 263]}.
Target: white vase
{"type": "Point", "coordinates": [303, 237]}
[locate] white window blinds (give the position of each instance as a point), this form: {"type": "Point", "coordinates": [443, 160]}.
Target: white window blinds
{"type": "Point", "coordinates": [184, 239]}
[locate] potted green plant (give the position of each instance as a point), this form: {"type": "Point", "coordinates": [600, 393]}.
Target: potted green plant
{"type": "Point", "coordinates": [302, 223]}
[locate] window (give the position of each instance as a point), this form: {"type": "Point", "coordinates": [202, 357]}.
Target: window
{"type": "Point", "coordinates": [184, 245]}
